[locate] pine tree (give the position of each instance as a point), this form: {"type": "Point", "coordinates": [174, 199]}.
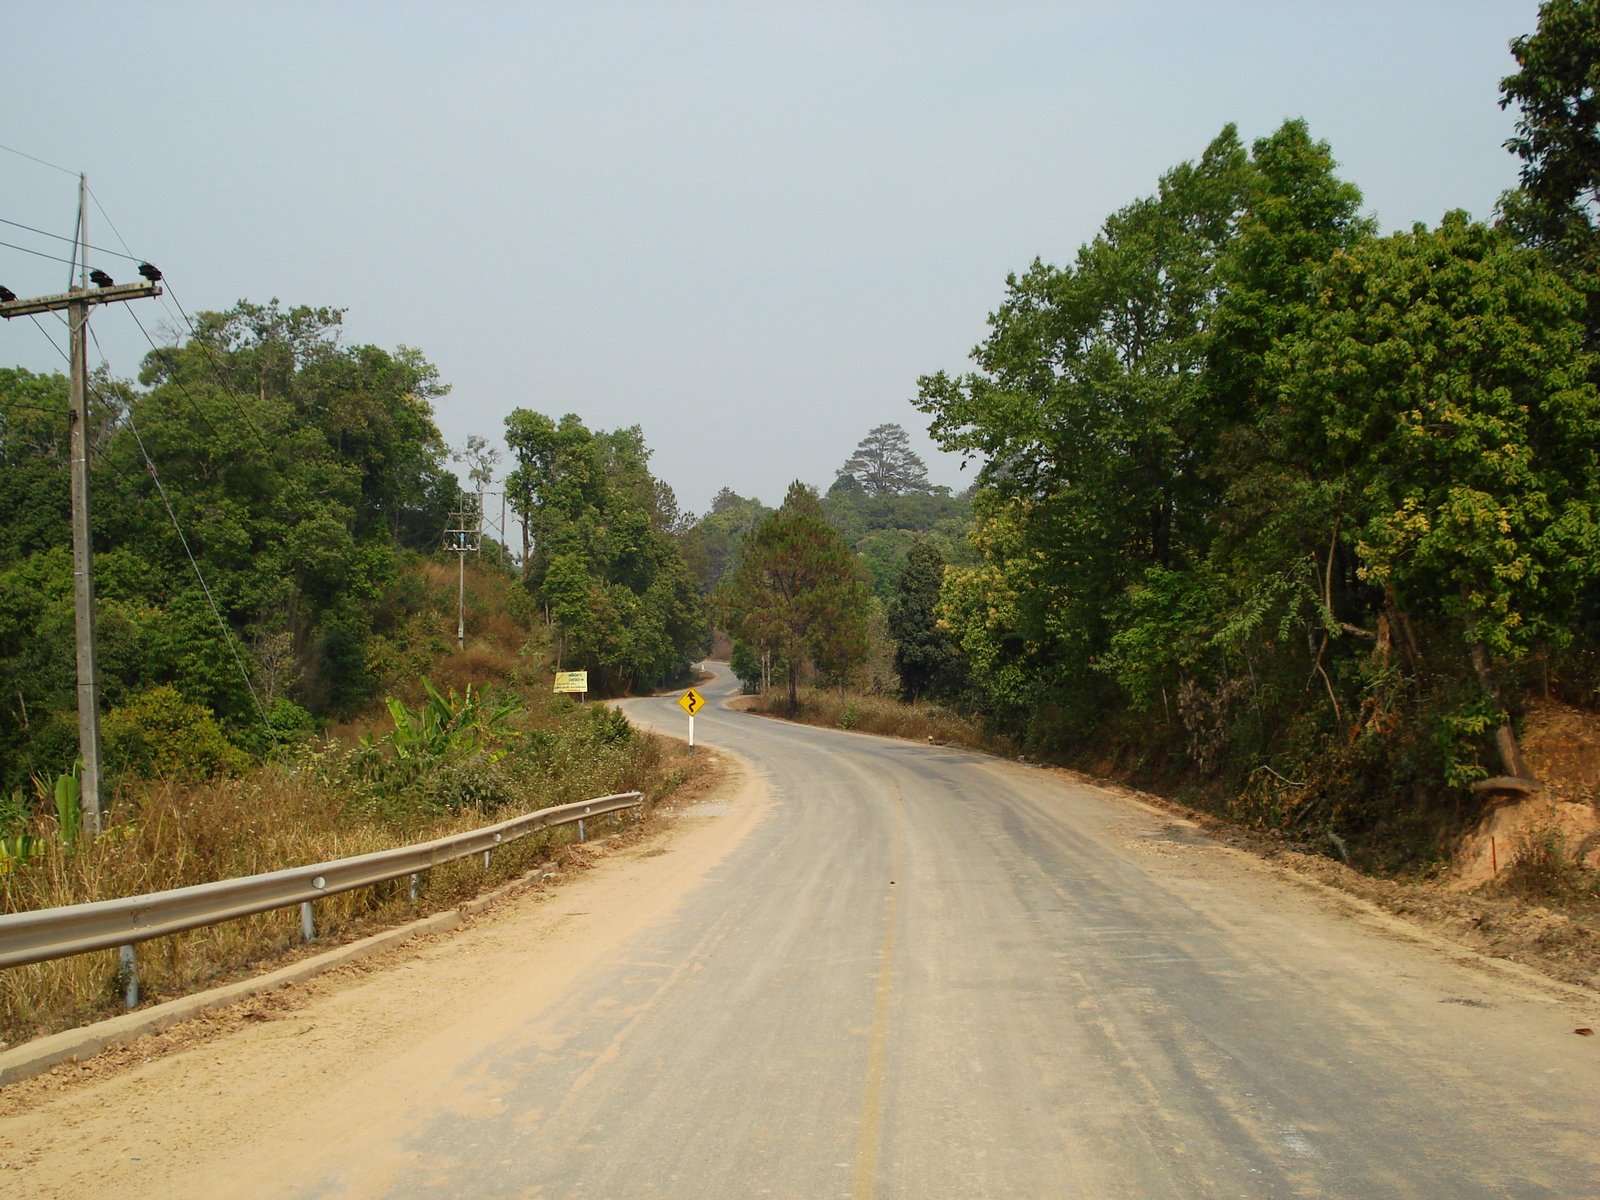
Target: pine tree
{"type": "Point", "coordinates": [884, 464]}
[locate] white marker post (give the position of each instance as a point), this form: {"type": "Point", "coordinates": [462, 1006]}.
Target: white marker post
{"type": "Point", "coordinates": [691, 702]}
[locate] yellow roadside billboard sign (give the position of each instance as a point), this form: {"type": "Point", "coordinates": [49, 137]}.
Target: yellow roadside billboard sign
{"type": "Point", "coordinates": [572, 681]}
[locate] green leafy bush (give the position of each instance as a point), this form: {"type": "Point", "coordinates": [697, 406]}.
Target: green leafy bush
{"type": "Point", "coordinates": [160, 735]}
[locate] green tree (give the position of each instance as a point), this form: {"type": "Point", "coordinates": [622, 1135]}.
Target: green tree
{"type": "Point", "coordinates": [1443, 376]}
{"type": "Point", "coordinates": [295, 468]}
{"type": "Point", "coordinates": [716, 539]}
{"type": "Point", "coordinates": [603, 553]}
{"type": "Point", "coordinates": [884, 464]}
{"type": "Point", "coordinates": [926, 658]}
{"type": "Point", "coordinates": [798, 593]}
{"type": "Point", "coordinates": [1088, 409]}
{"type": "Point", "coordinates": [1557, 95]}
{"type": "Point", "coordinates": [1267, 556]}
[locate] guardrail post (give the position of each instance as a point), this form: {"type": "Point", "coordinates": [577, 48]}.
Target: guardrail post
{"type": "Point", "coordinates": [308, 928]}
{"type": "Point", "coordinates": [486, 854]}
{"type": "Point", "coordinates": [414, 878]}
{"type": "Point", "coordinates": [580, 829]}
{"type": "Point", "coordinates": [129, 971]}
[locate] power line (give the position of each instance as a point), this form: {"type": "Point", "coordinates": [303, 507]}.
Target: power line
{"type": "Point", "coordinates": [227, 634]}
{"type": "Point", "coordinates": [60, 237]}
{"type": "Point", "coordinates": [53, 257]}
{"type": "Point", "coordinates": [52, 340]}
{"type": "Point", "coordinates": [177, 383]}
{"type": "Point", "coordinates": [58, 412]}
{"type": "Point", "coordinates": [40, 161]}
{"type": "Point", "coordinates": [150, 466]}
{"type": "Point", "coordinates": [63, 238]}
{"type": "Point", "coordinates": [183, 391]}
{"type": "Point", "coordinates": [205, 347]}
{"type": "Point", "coordinates": [216, 366]}
{"type": "Point", "coordinates": [110, 224]}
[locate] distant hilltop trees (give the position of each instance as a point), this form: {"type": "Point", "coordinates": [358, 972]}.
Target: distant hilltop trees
{"type": "Point", "coordinates": [884, 464]}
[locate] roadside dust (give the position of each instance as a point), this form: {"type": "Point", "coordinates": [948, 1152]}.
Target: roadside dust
{"type": "Point", "coordinates": [234, 1100]}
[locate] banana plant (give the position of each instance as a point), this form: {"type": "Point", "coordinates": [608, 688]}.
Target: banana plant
{"type": "Point", "coordinates": [447, 726]}
{"type": "Point", "coordinates": [14, 851]}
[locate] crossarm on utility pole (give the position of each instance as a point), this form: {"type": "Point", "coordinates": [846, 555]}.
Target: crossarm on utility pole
{"type": "Point", "coordinates": [83, 296]}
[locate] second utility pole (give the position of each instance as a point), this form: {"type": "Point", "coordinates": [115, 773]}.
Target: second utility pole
{"type": "Point", "coordinates": [468, 535]}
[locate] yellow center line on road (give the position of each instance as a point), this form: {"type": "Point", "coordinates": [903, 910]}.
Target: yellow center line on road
{"type": "Point", "coordinates": [868, 1131]}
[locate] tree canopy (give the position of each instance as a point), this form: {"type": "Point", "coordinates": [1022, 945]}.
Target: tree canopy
{"type": "Point", "coordinates": [604, 559]}
{"type": "Point", "coordinates": [284, 469]}
{"type": "Point", "coordinates": [1271, 489]}
{"type": "Point", "coordinates": [798, 593]}
{"type": "Point", "coordinates": [884, 464]}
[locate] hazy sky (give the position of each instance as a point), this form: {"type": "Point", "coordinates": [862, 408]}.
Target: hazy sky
{"type": "Point", "coordinates": [746, 227]}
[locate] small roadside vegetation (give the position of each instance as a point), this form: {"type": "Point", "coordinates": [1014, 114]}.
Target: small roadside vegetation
{"type": "Point", "coordinates": [879, 714]}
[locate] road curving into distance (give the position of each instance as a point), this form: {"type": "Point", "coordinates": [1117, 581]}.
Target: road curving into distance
{"type": "Point", "coordinates": [932, 974]}
{"type": "Point", "coordinates": [883, 970]}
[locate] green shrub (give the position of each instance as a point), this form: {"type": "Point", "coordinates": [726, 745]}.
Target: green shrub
{"type": "Point", "coordinates": [606, 726]}
{"type": "Point", "coordinates": [160, 735]}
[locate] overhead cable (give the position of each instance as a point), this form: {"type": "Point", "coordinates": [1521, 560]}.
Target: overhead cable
{"type": "Point", "coordinates": [227, 634]}
{"type": "Point", "coordinates": [40, 161]}
{"type": "Point", "coordinates": [61, 237]}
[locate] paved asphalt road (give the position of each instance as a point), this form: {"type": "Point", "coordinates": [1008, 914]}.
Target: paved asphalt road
{"type": "Point", "coordinates": [882, 970]}
{"type": "Point", "coordinates": [928, 974]}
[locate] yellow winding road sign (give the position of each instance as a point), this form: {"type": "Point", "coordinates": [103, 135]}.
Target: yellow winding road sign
{"type": "Point", "coordinates": [691, 702]}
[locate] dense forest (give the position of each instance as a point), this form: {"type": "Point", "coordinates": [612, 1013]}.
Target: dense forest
{"type": "Point", "coordinates": [265, 502]}
{"type": "Point", "coordinates": [1270, 503]}
{"type": "Point", "coordinates": [255, 496]}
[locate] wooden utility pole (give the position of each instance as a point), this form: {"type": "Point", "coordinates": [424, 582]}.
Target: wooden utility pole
{"type": "Point", "coordinates": [76, 302]}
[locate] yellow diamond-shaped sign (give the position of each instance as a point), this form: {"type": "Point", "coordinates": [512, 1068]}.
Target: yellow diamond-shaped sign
{"type": "Point", "coordinates": [691, 702]}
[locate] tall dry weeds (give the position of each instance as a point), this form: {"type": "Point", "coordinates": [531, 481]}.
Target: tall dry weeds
{"type": "Point", "coordinates": [310, 809]}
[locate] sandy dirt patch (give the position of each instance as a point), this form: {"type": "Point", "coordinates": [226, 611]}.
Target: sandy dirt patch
{"type": "Point", "coordinates": [218, 1105]}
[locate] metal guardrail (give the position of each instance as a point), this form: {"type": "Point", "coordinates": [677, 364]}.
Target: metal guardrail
{"type": "Point", "coordinates": [46, 933]}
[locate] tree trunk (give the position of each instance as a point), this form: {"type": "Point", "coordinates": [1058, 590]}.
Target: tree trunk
{"type": "Point", "coordinates": [527, 549]}
{"type": "Point", "coordinates": [794, 700]}
{"type": "Point", "coordinates": [1504, 739]}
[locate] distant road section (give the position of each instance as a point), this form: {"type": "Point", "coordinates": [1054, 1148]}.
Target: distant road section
{"type": "Point", "coordinates": [882, 970]}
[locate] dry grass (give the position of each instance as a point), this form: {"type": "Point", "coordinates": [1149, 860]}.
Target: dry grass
{"type": "Point", "coordinates": [882, 715]}
{"type": "Point", "coordinates": [1542, 870]}
{"type": "Point", "coordinates": [164, 836]}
